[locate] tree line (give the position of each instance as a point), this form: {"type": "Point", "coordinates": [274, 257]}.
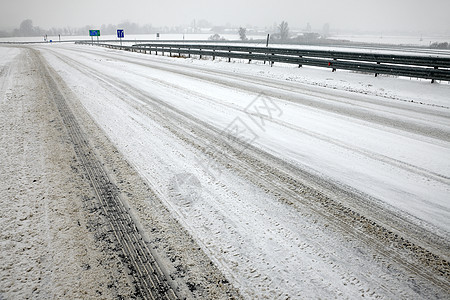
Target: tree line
{"type": "Point", "coordinates": [437, 45]}
{"type": "Point", "coordinates": [27, 29]}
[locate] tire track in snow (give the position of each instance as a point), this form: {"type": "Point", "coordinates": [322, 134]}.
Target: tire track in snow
{"type": "Point", "coordinates": [370, 154]}
{"type": "Point", "coordinates": [149, 279]}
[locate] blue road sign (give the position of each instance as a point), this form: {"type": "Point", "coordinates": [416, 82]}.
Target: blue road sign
{"type": "Point", "coordinates": [120, 33]}
{"type": "Point", "coordinates": [94, 32]}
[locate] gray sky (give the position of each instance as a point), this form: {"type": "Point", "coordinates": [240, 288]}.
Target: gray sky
{"type": "Point", "coordinates": [375, 15]}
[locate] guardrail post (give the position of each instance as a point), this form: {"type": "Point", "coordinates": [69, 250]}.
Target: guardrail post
{"type": "Point", "coordinates": [250, 60]}
{"type": "Point", "coordinates": [229, 56]}
{"type": "Point", "coordinates": [376, 74]}
{"type": "Point", "coordinates": [300, 65]}
{"type": "Point", "coordinates": [272, 62]}
{"type": "Point", "coordinates": [432, 79]}
{"type": "Point", "coordinates": [189, 54]}
{"type": "Point", "coordinates": [214, 51]}
{"type": "Point", "coordinates": [200, 53]}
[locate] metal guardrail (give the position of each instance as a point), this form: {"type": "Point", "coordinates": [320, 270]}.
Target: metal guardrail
{"type": "Point", "coordinates": [417, 66]}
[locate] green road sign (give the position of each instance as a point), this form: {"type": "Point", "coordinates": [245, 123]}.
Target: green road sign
{"type": "Point", "coordinates": [94, 32]}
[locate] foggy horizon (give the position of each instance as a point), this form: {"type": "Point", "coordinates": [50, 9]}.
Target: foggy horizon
{"type": "Point", "coordinates": [348, 15]}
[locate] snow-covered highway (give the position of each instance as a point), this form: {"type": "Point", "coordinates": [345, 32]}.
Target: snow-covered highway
{"type": "Point", "coordinates": [294, 183]}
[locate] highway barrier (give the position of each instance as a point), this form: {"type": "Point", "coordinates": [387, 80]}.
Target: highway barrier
{"type": "Point", "coordinates": [408, 65]}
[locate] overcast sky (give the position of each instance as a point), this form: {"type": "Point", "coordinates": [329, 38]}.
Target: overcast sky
{"type": "Point", "coordinates": [374, 15]}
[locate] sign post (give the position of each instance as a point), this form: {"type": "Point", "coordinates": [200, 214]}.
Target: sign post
{"type": "Point", "coordinates": [93, 33]}
{"type": "Point", "coordinates": [120, 35]}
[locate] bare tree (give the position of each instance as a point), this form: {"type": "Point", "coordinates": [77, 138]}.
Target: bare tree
{"type": "Point", "coordinates": [283, 29]}
{"type": "Point", "coordinates": [243, 33]}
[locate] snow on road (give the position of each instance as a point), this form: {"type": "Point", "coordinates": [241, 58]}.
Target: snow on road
{"type": "Point", "coordinates": [384, 139]}
{"type": "Point", "coordinates": [383, 161]}
{"type": "Point", "coordinates": [267, 248]}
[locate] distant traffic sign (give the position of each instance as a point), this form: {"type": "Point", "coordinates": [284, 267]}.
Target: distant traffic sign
{"type": "Point", "coordinates": [94, 32]}
{"type": "Point", "coordinates": [120, 33]}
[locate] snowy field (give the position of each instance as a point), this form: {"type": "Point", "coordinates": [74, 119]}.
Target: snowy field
{"type": "Point", "coordinates": [393, 39]}
{"type": "Point", "coordinates": [375, 39]}
{"type": "Point", "coordinates": [243, 155]}
{"type": "Point", "coordinates": [162, 37]}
